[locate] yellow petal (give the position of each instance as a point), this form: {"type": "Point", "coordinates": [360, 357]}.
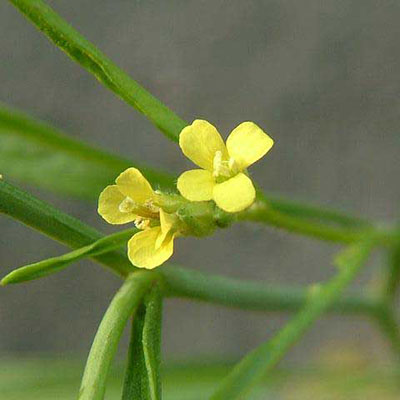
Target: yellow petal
{"type": "Point", "coordinates": [142, 251]}
{"type": "Point", "coordinates": [132, 183]}
{"type": "Point", "coordinates": [235, 194]}
{"type": "Point", "coordinates": [167, 222]}
{"type": "Point", "coordinates": [109, 202]}
{"type": "Point", "coordinates": [196, 185]}
{"type": "Point", "coordinates": [247, 143]}
{"type": "Point", "coordinates": [200, 141]}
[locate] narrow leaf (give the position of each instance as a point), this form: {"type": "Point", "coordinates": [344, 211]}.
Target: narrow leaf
{"type": "Point", "coordinates": [142, 377]}
{"type": "Point", "coordinates": [152, 341]}
{"type": "Point", "coordinates": [34, 152]}
{"type": "Point", "coordinates": [66, 229]}
{"type": "Point", "coordinates": [55, 264]}
{"type": "Point", "coordinates": [261, 360]}
{"type": "Point", "coordinates": [250, 295]}
{"type": "Point", "coordinates": [135, 381]}
{"type": "Point", "coordinates": [264, 212]}
{"type": "Point", "coordinates": [94, 61]}
{"type": "Point", "coordinates": [104, 346]}
{"type": "Point", "coordinates": [317, 213]}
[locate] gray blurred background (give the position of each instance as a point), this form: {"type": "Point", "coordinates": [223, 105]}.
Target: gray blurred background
{"type": "Point", "coordinates": [322, 77]}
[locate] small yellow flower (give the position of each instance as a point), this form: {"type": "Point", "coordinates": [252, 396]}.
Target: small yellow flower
{"type": "Point", "coordinates": [133, 199]}
{"type": "Point", "coordinates": [223, 175]}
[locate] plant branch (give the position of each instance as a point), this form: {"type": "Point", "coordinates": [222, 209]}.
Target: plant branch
{"type": "Point", "coordinates": [248, 295]}
{"type": "Point", "coordinates": [105, 343]}
{"type": "Point", "coordinates": [313, 212]}
{"type": "Point", "coordinates": [55, 264]}
{"type": "Point", "coordinates": [35, 152]}
{"type": "Point", "coordinates": [386, 319]}
{"type": "Point", "coordinates": [261, 360]}
{"type": "Point", "coordinates": [93, 60]}
{"type": "Point", "coordinates": [392, 283]}
{"type": "Point", "coordinates": [262, 212]}
{"type": "Point", "coordinates": [60, 226]}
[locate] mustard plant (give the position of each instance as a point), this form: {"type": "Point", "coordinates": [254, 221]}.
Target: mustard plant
{"type": "Point", "coordinates": [161, 208]}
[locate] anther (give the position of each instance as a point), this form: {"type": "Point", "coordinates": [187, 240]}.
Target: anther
{"type": "Point", "coordinates": [127, 205]}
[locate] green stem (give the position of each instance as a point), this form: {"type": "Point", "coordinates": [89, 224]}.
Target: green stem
{"type": "Point", "coordinates": [55, 264]}
{"type": "Point", "coordinates": [393, 274]}
{"type": "Point", "coordinates": [313, 212]}
{"type": "Point", "coordinates": [35, 152]}
{"type": "Point", "coordinates": [135, 381]}
{"type": "Point", "coordinates": [105, 343]}
{"type": "Point", "coordinates": [92, 59]}
{"type": "Point", "coordinates": [264, 358]}
{"type": "Point", "coordinates": [386, 319]}
{"type": "Point", "coordinates": [54, 223]}
{"type": "Point", "coordinates": [261, 211]}
{"type": "Point", "coordinates": [142, 376]}
{"type": "Point", "coordinates": [247, 295]}
{"type": "Point", "coordinates": [152, 341]}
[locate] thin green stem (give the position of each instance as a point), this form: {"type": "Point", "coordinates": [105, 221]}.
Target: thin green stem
{"type": "Point", "coordinates": [92, 59]}
{"type": "Point", "coordinates": [248, 295]}
{"type": "Point", "coordinates": [135, 381]}
{"type": "Point", "coordinates": [261, 211]}
{"type": "Point", "coordinates": [142, 376]}
{"type": "Point", "coordinates": [54, 223]}
{"type": "Point", "coordinates": [55, 264]}
{"type": "Point", "coordinates": [393, 274]}
{"type": "Point", "coordinates": [314, 212]}
{"type": "Point", "coordinates": [386, 319]}
{"type": "Point", "coordinates": [152, 340]}
{"type": "Point", "coordinates": [105, 343]}
{"type": "Point", "coordinates": [264, 358]}
{"type": "Point", "coordinates": [35, 152]}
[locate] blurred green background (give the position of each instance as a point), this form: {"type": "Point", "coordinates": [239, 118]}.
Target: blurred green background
{"type": "Point", "coordinates": [320, 77]}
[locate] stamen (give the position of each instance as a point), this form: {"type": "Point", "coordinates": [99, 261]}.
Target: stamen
{"type": "Point", "coordinates": [221, 168]}
{"type": "Point", "coordinates": [151, 206]}
{"type": "Point", "coordinates": [217, 163]}
{"type": "Point", "coordinates": [127, 205]}
{"type": "Point", "coordinates": [141, 223]}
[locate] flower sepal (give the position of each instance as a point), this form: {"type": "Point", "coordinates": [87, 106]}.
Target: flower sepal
{"type": "Point", "coordinates": [201, 218]}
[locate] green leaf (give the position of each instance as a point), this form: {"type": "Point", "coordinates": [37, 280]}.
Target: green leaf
{"type": "Point", "coordinates": [152, 341]}
{"type": "Point", "coordinates": [264, 212]}
{"type": "Point", "coordinates": [104, 346]}
{"type": "Point", "coordinates": [93, 60]}
{"type": "Point", "coordinates": [250, 295]}
{"type": "Point", "coordinates": [35, 152]}
{"type": "Point", "coordinates": [60, 226]}
{"type": "Point", "coordinates": [314, 212]}
{"type": "Point", "coordinates": [135, 381]}
{"type": "Point", "coordinates": [393, 273]}
{"type": "Point", "coordinates": [261, 360]}
{"type": "Point", "coordinates": [55, 264]}
{"type": "Point", "coordinates": [142, 376]}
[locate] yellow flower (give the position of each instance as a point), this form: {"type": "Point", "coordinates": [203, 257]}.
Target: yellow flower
{"type": "Point", "coordinates": [133, 199]}
{"type": "Point", "coordinates": [223, 175]}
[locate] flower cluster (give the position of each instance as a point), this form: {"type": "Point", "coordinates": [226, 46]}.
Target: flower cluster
{"type": "Point", "coordinates": [222, 177]}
